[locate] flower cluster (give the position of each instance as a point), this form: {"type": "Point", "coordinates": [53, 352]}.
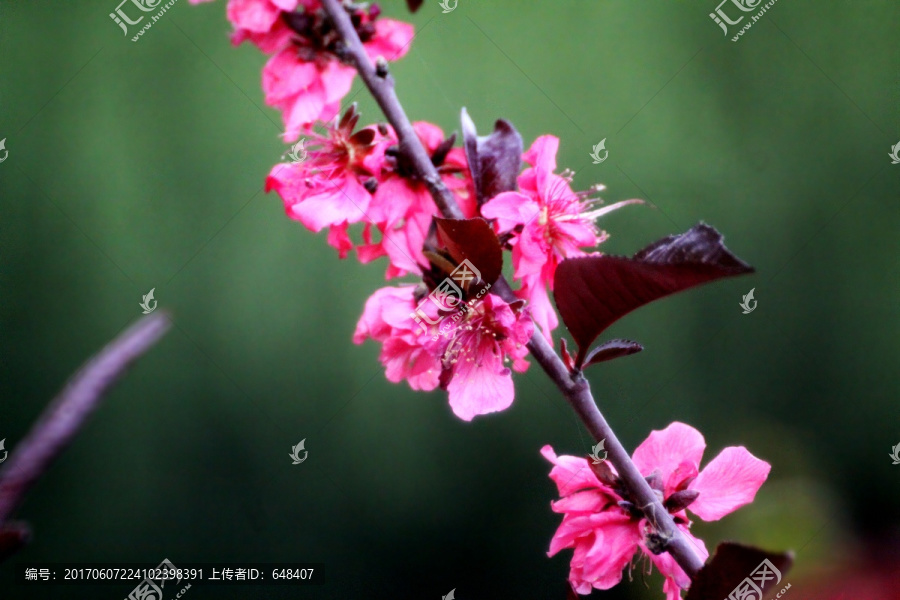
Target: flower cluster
{"type": "Point", "coordinates": [446, 328]}
{"type": "Point", "coordinates": [360, 177]}
{"type": "Point", "coordinates": [305, 77]}
{"type": "Point", "coordinates": [351, 177]}
{"type": "Point", "coordinates": [605, 528]}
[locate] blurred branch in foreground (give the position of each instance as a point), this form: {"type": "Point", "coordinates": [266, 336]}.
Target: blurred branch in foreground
{"type": "Point", "coordinates": [63, 419]}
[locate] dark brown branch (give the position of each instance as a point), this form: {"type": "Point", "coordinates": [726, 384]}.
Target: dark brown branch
{"type": "Point", "coordinates": [66, 415]}
{"type": "Point", "coordinates": [577, 391]}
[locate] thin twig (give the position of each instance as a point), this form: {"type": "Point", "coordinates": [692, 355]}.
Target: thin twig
{"type": "Point", "coordinates": [64, 417]}
{"type": "Point", "coordinates": [576, 390]}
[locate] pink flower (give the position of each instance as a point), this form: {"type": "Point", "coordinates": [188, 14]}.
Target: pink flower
{"type": "Point", "coordinates": [304, 92]}
{"type": "Point", "coordinates": [329, 187]}
{"type": "Point", "coordinates": [605, 529]}
{"type": "Point", "coordinates": [402, 207]}
{"type": "Point", "coordinates": [475, 361]}
{"type": "Point", "coordinates": [404, 354]}
{"type": "Point", "coordinates": [305, 79]}
{"type": "Point", "coordinates": [261, 22]}
{"type": "Point", "coordinates": [555, 223]}
{"type": "Point", "coordinates": [469, 359]}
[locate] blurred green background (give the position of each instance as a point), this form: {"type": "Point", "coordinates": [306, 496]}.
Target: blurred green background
{"type": "Point", "coordinates": [140, 165]}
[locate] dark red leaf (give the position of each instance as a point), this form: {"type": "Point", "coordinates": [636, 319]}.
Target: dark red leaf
{"type": "Point", "coordinates": [494, 160]}
{"type": "Point", "coordinates": [610, 350]}
{"type": "Point", "coordinates": [595, 291]}
{"type": "Point", "coordinates": [733, 563]}
{"type": "Point", "coordinates": [473, 240]}
{"type": "Point", "coordinates": [414, 5]}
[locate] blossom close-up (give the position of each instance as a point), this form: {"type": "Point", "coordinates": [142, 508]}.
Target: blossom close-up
{"type": "Point", "coordinates": [606, 530]}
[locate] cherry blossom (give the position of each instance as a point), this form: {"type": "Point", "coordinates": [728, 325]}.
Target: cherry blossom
{"type": "Point", "coordinates": [333, 186]}
{"type": "Point", "coordinates": [605, 528]}
{"type": "Point", "coordinates": [471, 359]}
{"type": "Point", "coordinates": [551, 221]}
{"type": "Point", "coordinates": [402, 207]}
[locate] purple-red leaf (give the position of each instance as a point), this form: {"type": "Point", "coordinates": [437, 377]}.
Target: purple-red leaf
{"type": "Point", "coordinates": [595, 291]}
{"type": "Point", "coordinates": [414, 5]}
{"type": "Point", "coordinates": [732, 564]}
{"type": "Point", "coordinates": [473, 240]}
{"type": "Point", "coordinates": [494, 160]}
{"type": "Point", "coordinates": [610, 350]}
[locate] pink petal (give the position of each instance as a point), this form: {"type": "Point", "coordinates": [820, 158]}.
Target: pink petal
{"type": "Point", "coordinates": [369, 252]}
{"type": "Point", "coordinates": [334, 203]}
{"type": "Point", "coordinates": [429, 134]}
{"type": "Point", "coordinates": [588, 501]}
{"type": "Point", "coordinates": [530, 253]}
{"type": "Point", "coordinates": [337, 79]}
{"type": "Point", "coordinates": [305, 109]}
{"type": "Point", "coordinates": [569, 531]}
{"type": "Point", "coordinates": [252, 15]}
{"type": "Point", "coordinates": [542, 154]}
{"type": "Point", "coordinates": [403, 246]}
{"type": "Point", "coordinates": [394, 199]}
{"type": "Point", "coordinates": [372, 323]}
{"type": "Point", "coordinates": [286, 5]}
{"type": "Point", "coordinates": [412, 363]}
{"type": "Point", "coordinates": [284, 76]}
{"type": "Point", "coordinates": [684, 471]}
{"type": "Point", "coordinates": [510, 209]}
{"type": "Point", "coordinates": [615, 544]}
{"type": "Point", "coordinates": [480, 384]}
{"type": "Point", "coordinates": [570, 473]}
{"type": "Point", "coordinates": [339, 239]}
{"type": "Point", "coordinates": [580, 234]}
{"type": "Point", "coordinates": [727, 483]}
{"type": "Point", "coordinates": [391, 40]}
{"type": "Point", "coordinates": [665, 450]}
{"type": "Point", "coordinates": [541, 308]}
{"type": "Point", "coordinates": [676, 578]}
{"type": "Point", "coordinates": [269, 42]}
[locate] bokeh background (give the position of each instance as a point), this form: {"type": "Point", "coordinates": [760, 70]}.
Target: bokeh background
{"type": "Point", "coordinates": [141, 165]}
